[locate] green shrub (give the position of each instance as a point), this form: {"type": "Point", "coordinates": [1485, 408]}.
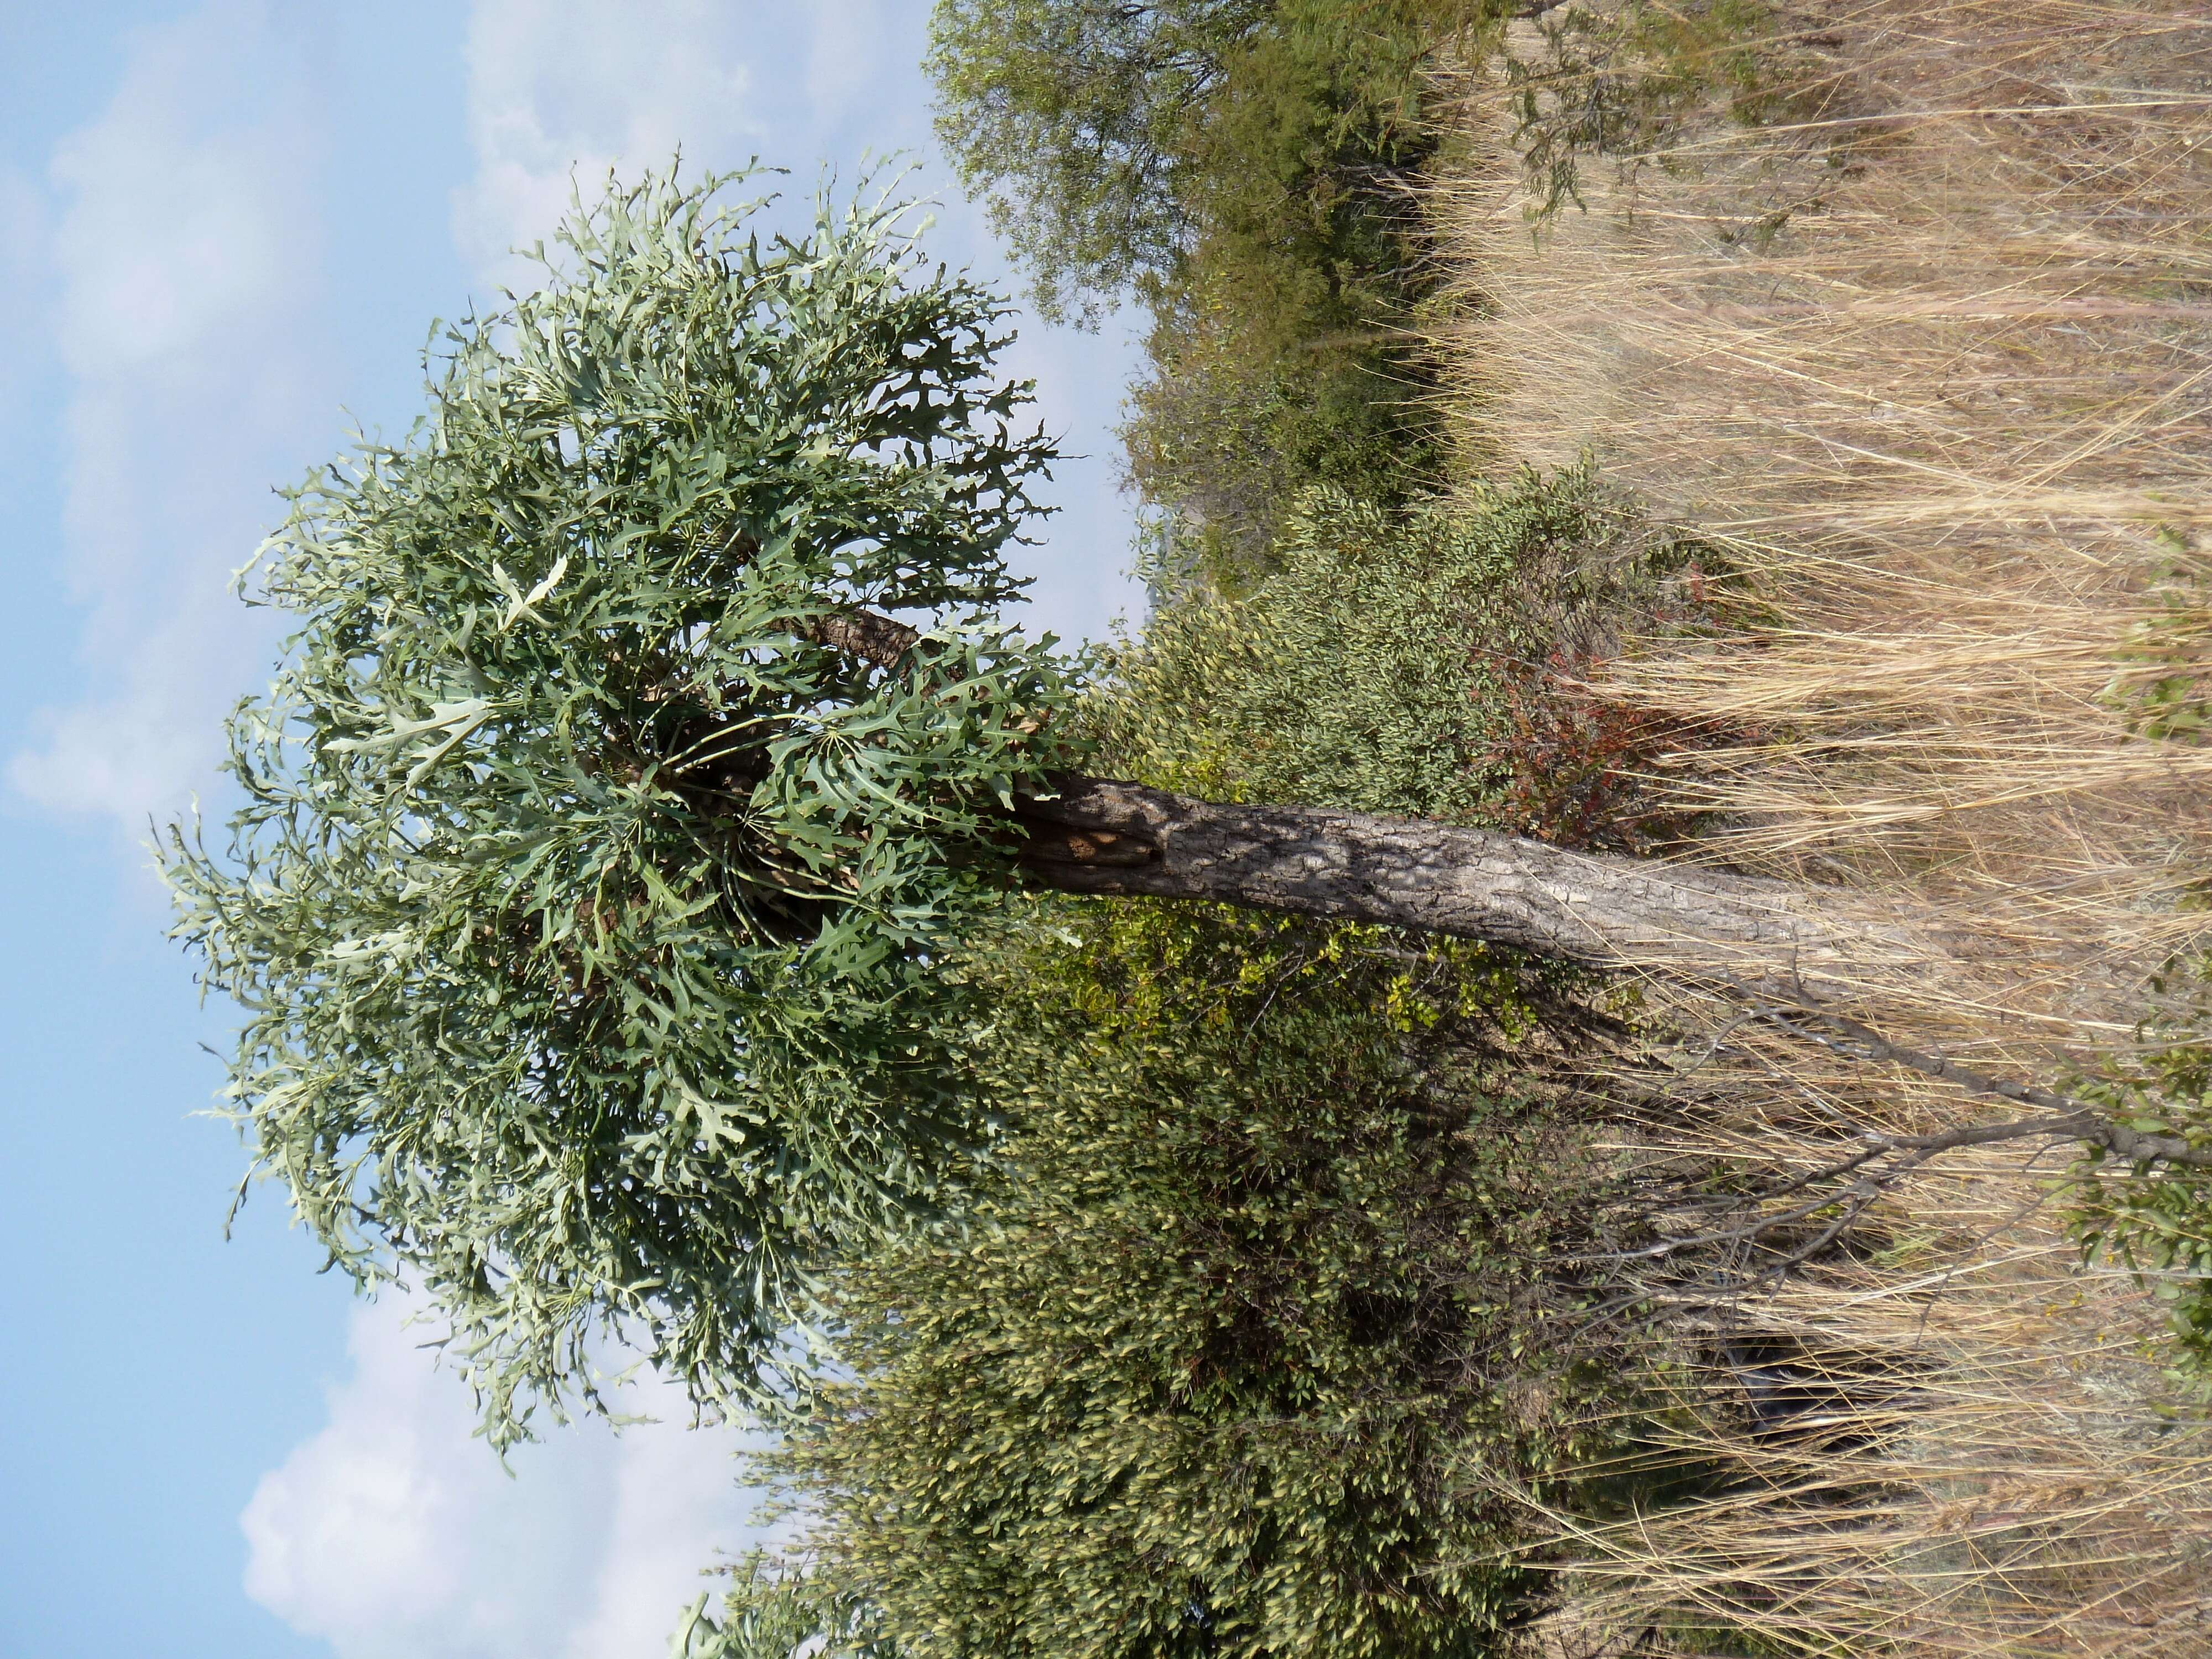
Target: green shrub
{"type": "Point", "coordinates": [1417, 661]}
{"type": "Point", "coordinates": [1258, 1276]}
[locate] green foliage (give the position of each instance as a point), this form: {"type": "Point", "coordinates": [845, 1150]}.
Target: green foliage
{"type": "Point", "coordinates": [1239, 1324]}
{"type": "Point", "coordinates": [1240, 165]}
{"type": "Point", "coordinates": [1280, 356]}
{"type": "Point", "coordinates": [586, 913]}
{"type": "Point", "coordinates": [2158, 1220]}
{"type": "Point", "coordinates": [772, 1613]}
{"type": "Point", "coordinates": [2163, 687]}
{"type": "Point", "coordinates": [1410, 661]}
{"type": "Point", "coordinates": [1257, 1302]}
{"type": "Point", "coordinates": [1262, 384]}
{"type": "Point", "coordinates": [1073, 119]}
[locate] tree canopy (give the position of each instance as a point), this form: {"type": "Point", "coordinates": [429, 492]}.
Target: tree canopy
{"type": "Point", "coordinates": [1242, 168]}
{"type": "Point", "coordinates": [587, 903]}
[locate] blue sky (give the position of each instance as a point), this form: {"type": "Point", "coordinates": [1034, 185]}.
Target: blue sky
{"type": "Point", "coordinates": [224, 228]}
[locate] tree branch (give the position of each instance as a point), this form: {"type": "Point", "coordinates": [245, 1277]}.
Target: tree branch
{"type": "Point", "coordinates": [1102, 836]}
{"type": "Point", "coordinates": [866, 635]}
{"type": "Point", "coordinates": [2072, 1119]}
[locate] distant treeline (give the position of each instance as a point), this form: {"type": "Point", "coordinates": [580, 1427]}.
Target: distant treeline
{"type": "Point", "coordinates": [1241, 169]}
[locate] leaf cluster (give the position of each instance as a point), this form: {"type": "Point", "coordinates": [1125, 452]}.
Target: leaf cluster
{"type": "Point", "coordinates": [2162, 687]}
{"type": "Point", "coordinates": [774, 1612]}
{"type": "Point", "coordinates": [587, 912]}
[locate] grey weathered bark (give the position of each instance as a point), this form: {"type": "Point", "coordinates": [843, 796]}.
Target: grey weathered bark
{"type": "Point", "coordinates": [1096, 836]}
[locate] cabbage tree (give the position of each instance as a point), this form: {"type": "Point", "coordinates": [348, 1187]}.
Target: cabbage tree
{"type": "Point", "coordinates": [651, 736]}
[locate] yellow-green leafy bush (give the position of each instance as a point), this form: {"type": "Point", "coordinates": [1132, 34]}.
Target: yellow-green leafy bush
{"type": "Point", "coordinates": [1260, 1274]}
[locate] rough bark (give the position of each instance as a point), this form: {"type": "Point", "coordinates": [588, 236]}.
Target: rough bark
{"type": "Point", "coordinates": [866, 635]}
{"type": "Point", "coordinates": [1096, 836]}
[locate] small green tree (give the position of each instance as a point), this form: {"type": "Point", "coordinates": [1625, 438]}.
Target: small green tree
{"type": "Point", "coordinates": [1229, 1358]}
{"type": "Point", "coordinates": [1252, 1315]}
{"type": "Point", "coordinates": [607, 852]}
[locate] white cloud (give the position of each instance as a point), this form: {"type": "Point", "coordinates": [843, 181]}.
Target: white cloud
{"type": "Point", "coordinates": [392, 1534]}
{"type": "Point", "coordinates": [184, 261]}
{"type": "Point", "coordinates": [557, 90]}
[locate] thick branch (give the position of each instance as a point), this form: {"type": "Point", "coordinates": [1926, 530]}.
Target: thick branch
{"type": "Point", "coordinates": [1095, 836]}
{"type": "Point", "coordinates": [867, 635]}
{"type": "Point", "coordinates": [1766, 943]}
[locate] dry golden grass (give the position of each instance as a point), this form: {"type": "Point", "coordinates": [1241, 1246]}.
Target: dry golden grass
{"type": "Point", "coordinates": [1932, 363]}
{"type": "Point", "coordinates": [1948, 1438]}
{"type": "Point", "coordinates": [1927, 354]}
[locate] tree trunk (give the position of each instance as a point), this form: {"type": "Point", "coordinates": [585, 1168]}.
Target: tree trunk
{"type": "Point", "coordinates": [1095, 836]}
{"type": "Point", "coordinates": [1098, 837]}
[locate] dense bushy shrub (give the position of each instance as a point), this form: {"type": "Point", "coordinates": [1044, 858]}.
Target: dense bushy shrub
{"type": "Point", "coordinates": [1419, 660]}
{"type": "Point", "coordinates": [1256, 1280]}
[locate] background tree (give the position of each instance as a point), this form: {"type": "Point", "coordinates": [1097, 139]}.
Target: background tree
{"type": "Point", "coordinates": [1075, 120]}
{"type": "Point", "coordinates": [1241, 167]}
